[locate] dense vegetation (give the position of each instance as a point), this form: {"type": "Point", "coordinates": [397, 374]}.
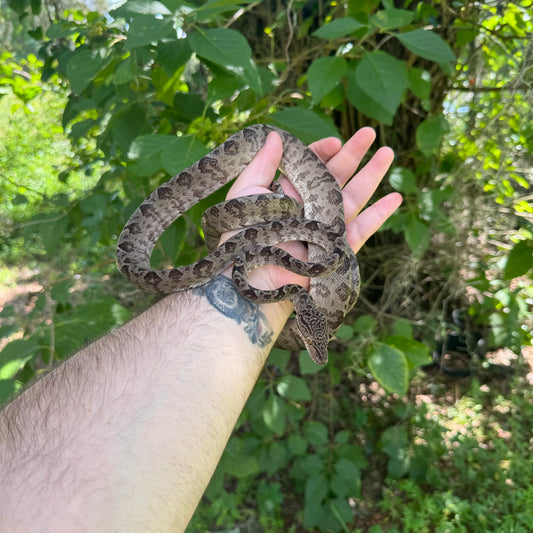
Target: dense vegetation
{"type": "Point", "coordinates": [144, 91]}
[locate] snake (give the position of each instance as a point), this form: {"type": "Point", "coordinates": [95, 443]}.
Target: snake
{"type": "Point", "coordinates": [263, 222]}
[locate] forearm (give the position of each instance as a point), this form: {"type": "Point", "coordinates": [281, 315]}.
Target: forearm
{"type": "Point", "coordinates": [126, 433]}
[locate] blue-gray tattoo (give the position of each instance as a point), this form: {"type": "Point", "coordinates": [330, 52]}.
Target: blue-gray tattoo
{"type": "Point", "coordinates": [223, 296]}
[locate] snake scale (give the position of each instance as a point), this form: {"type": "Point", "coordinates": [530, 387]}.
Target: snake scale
{"type": "Point", "coordinates": [264, 221]}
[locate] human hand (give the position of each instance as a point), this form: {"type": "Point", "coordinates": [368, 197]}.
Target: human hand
{"type": "Point", "coordinates": [342, 161]}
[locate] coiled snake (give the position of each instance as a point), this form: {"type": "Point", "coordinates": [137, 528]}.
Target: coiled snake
{"type": "Point", "coordinates": [267, 219]}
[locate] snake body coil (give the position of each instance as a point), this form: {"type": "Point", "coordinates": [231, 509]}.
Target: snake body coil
{"type": "Point", "coordinates": [267, 220]}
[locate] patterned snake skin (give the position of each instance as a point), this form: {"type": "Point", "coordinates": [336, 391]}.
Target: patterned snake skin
{"type": "Point", "coordinates": [267, 219]}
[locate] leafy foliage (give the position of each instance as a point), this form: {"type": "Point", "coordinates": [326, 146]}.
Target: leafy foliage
{"type": "Point", "coordinates": [153, 85]}
{"type": "Point", "coordinates": [477, 459]}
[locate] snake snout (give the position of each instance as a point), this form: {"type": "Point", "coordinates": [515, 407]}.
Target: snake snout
{"type": "Point", "coordinates": [312, 327]}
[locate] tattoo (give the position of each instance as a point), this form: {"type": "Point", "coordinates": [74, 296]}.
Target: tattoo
{"type": "Point", "coordinates": [223, 296]}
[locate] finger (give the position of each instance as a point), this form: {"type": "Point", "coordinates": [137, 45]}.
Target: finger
{"type": "Point", "coordinates": [326, 148]}
{"type": "Point", "coordinates": [341, 160]}
{"type": "Point", "coordinates": [258, 175]}
{"type": "Point", "coordinates": [360, 189]}
{"type": "Point", "coordinates": [348, 158]}
{"type": "Point", "coordinates": [371, 219]}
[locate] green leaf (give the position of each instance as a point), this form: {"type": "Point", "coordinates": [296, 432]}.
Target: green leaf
{"type": "Point", "coordinates": [519, 261]}
{"type": "Point", "coordinates": [465, 37]}
{"type": "Point", "coordinates": [187, 106]}
{"type": "Point", "coordinates": [396, 222]}
{"type": "Point", "coordinates": [316, 488]}
{"type": "Point", "coordinates": [36, 7]}
{"type": "Point", "coordinates": [364, 324]}
{"type": "Point", "coordinates": [347, 478]}
{"type": "Point", "coordinates": [416, 353]}
{"type": "Point", "coordinates": [61, 29]}
{"type": "Point", "coordinates": [166, 86]}
{"type": "Point", "coordinates": [95, 208]}
{"type": "Point", "coordinates": [420, 83]}
{"type": "Point", "coordinates": [389, 366]}
{"type": "Point", "coordinates": [297, 444]}
{"type": "Point", "coordinates": [354, 453]}
{"type": "Point", "coordinates": [341, 510]}
{"type": "Point", "coordinates": [345, 332]}
{"type": "Point", "coordinates": [18, 6]}
{"type": "Point", "coordinates": [7, 330]}
{"type": "Point", "coordinates": [394, 439]}
{"type": "Point", "coordinates": [213, 9]}
{"type": "Point", "coordinates": [279, 358]}
{"type": "Point", "coordinates": [125, 72]}
{"type": "Point", "coordinates": [83, 67]}
{"type": "Point", "coordinates": [427, 44]}
{"type": "Point", "coordinates": [293, 388]}
{"type": "Point", "coordinates": [275, 458]}
{"type": "Point", "coordinates": [8, 387]}
{"type": "Point", "coordinates": [7, 312]}
{"type": "Point", "coordinates": [274, 414]}
{"type": "Point", "coordinates": [256, 401]}
{"type": "Point", "coordinates": [237, 462]}
{"type": "Point", "coordinates": [127, 124]}
{"type": "Point", "coordinates": [417, 235]}
{"type": "Point", "coordinates": [314, 515]}
{"type": "Point", "coordinates": [222, 87]}
{"type": "Point", "coordinates": [402, 327]}
{"type": "Point", "coordinates": [147, 166]}
{"type": "Point", "coordinates": [337, 28]}
{"type": "Point", "coordinates": [335, 99]}
{"type": "Point", "coordinates": [143, 7]}
{"type": "Point", "coordinates": [53, 231]}
{"type": "Point", "coordinates": [269, 497]}
{"type": "Point", "coordinates": [242, 466]}
{"type": "Point", "coordinates": [173, 239]}
{"type": "Point", "coordinates": [307, 365]}
{"type": "Point", "coordinates": [342, 436]}
{"type": "Point", "coordinates": [147, 145]}
{"type": "Point", "coordinates": [377, 85]}
{"type": "Point", "coordinates": [316, 433]}
{"type": "Point", "coordinates": [403, 180]}
{"type": "Point", "coordinates": [323, 75]}
{"type": "Point", "coordinates": [173, 54]}
{"type": "Point", "coordinates": [81, 129]}
{"type": "Point", "coordinates": [366, 104]}
{"type": "Point", "coordinates": [429, 134]}
{"type": "Point", "coordinates": [309, 464]}
{"type": "Point", "coordinates": [304, 124]}
{"type": "Point", "coordinates": [268, 79]}
{"type": "Point", "coordinates": [230, 50]}
{"type": "Point", "coordinates": [15, 355]}
{"type": "Point", "coordinates": [61, 291]}
{"type": "Point", "coordinates": [430, 200]}
{"type": "Point", "coordinates": [181, 153]}
{"type": "Point", "coordinates": [387, 19]}
{"type": "Point", "coordinates": [19, 199]}
{"type": "Point", "coordinates": [394, 442]}
{"type": "Point", "coordinates": [146, 29]}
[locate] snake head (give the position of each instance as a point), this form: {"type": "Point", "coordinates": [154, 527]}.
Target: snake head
{"type": "Point", "coordinates": [317, 350]}
{"type": "Point", "coordinates": [312, 328]}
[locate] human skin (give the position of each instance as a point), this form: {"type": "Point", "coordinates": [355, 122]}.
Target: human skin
{"type": "Point", "coordinates": [125, 435]}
